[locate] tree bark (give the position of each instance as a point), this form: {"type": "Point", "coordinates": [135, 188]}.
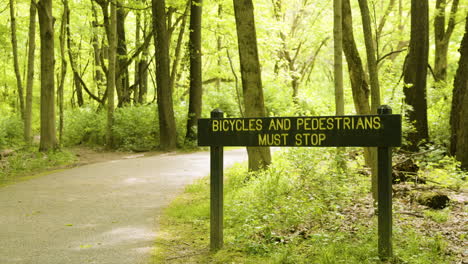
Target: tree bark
{"type": "Point", "coordinates": [97, 52]}
{"type": "Point", "coordinates": [14, 43]}
{"type": "Point", "coordinates": [111, 75]}
{"type": "Point", "coordinates": [167, 126]}
{"type": "Point", "coordinates": [30, 73]}
{"type": "Point", "coordinates": [63, 71]}
{"type": "Point", "coordinates": [46, 27]}
{"type": "Point", "coordinates": [122, 82]}
{"type": "Point", "coordinates": [359, 85]}
{"type": "Point", "coordinates": [442, 37]}
{"type": "Point", "coordinates": [178, 50]}
{"type": "Point", "coordinates": [251, 76]}
{"type": "Point", "coordinates": [338, 56]}
{"type": "Point", "coordinates": [415, 74]}
{"type": "Point", "coordinates": [459, 112]}
{"type": "Point", "coordinates": [195, 98]}
{"type": "Point", "coordinates": [371, 56]}
{"type": "Point", "coordinates": [71, 57]}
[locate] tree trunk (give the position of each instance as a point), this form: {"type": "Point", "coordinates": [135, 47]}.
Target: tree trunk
{"type": "Point", "coordinates": [442, 37]}
{"type": "Point", "coordinates": [97, 52]}
{"type": "Point", "coordinates": [30, 73]}
{"type": "Point", "coordinates": [371, 60]}
{"type": "Point", "coordinates": [178, 49]}
{"type": "Point", "coordinates": [111, 75]}
{"type": "Point", "coordinates": [459, 113]}
{"type": "Point", "coordinates": [338, 56]}
{"type": "Point", "coordinates": [415, 74]}
{"type": "Point", "coordinates": [46, 27]}
{"type": "Point", "coordinates": [122, 82]}
{"type": "Point", "coordinates": [71, 58]}
{"type": "Point", "coordinates": [195, 99]}
{"type": "Point", "coordinates": [251, 76]}
{"type": "Point", "coordinates": [359, 85]}
{"type": "Point", "coordinates": [63, 71]}
{"type": "Point", "coordinates": [14, 43]}
{"type": "Point", "coordinates": [167, 126]}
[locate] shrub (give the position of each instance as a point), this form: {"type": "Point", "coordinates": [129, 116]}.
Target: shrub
{"type": "Point", "coordinates": [11, 131]}
{"type": "Point", "coordinates": [136, 128]}
{"type": "Point", "coordinates": [84, 126]}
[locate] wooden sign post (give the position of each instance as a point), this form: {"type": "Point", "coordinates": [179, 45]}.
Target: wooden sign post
{"type": "Point", "coordinates": [382, 131]}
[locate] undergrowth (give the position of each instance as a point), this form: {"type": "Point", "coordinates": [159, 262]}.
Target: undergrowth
{"type": "Point", "coordinates": [299, 210]}
{"type": "Point", "coordinates": [28, 161]}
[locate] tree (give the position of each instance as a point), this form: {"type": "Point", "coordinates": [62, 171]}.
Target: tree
{"type": "Point", "coordinates": [46, 28]}
{"type": "Point", "coordinates": [459, 112]}
{"type": "Point", "coordinates": [111, 74]}
{"type": "Point", "coordinates": [338, 56]}
{"type": "Point", "coordinates": [195, 98]}
{"type": "Point", "coordinates": [63, 70]}
{"type": "Point", "coordinates": [442, 37]}
{"type": "Point", "coordinates": [251, 75]}
{"type": "Point", "coordinates": [415, 74]}
{"type": "Point", "coordinates": [14, 43]}
{"type": "Point", "coordinates": [122, 75]}
{"type": "Point", "coordinates": [371, 56]}
{"type": "Point", "coordinates": [30, 73]}
{"type": "Point", "coordinates": [167, 127]}
{"type": "Point", "coordinates": [359, 84]}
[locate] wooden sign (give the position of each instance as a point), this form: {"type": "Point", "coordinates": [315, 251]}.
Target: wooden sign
{"type": "Point", "coordinates": [316, 131]}
{"type": "Point", "coordinates": [382, 131]}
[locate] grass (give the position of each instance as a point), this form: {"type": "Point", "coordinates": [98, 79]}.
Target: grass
{"type": "Point", "coordinates": [294, 212]}
{"type": "Point", "coordinates": [27, 163]}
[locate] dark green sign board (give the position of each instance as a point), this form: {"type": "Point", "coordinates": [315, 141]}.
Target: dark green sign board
{"type": "Point", "coordinates": [382, 131]}
{"type": "Point", "coordinates": [320, 131]}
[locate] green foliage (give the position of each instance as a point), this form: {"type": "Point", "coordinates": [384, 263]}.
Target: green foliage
{"type": "Point", "coordinates": [299, 210]}
{"type": "Point", "coordinates": [136, 128]}
{"type": "Point", "coordinates": [11, 131]}
{"type": "Point", "coordinates": [28, 161]}
{"type": "Point", "coordinates": [84, 126]}
{"type": "Point", "coordinates": [439, 216]}
{"type": "Point", "coordinates": [441, 169]}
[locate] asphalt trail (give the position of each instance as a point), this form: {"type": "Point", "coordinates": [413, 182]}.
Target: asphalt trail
{"type": "Point", "coordinates": [104, 213]}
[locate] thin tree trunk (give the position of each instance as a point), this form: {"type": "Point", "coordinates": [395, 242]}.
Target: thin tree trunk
{"type": "Point", "coordinates": [371, 59]}
{"type": "Point", "coordinates": [30, 73]}
{"type": "Point", "coordinates": [375, 87]}
{"type": "Point", "coordinates": [338, 56]}
{"type": "Point", "coordinates": [46, 27]}
{"type": "Point", "coordinates": [178, 49]}
{"type": "Point", "coordinates": [442, 37]}
{"type": "Point", "coordinates": [14, 43]}
{"type": "Point", "coordinates": [251, 76]}
{"type": "Point", "coordinates": [167, 126]}
{"type": "Point", "coordinates": [71, 57]}
{"type": "Point", "coordinates": [415, 74]}
{"type": "Point", "coordinates": [195, 98]}
{"type": "Point", "coordinates": [122, 81]}
{"type": "Point", "coordinates": [111, 75]}
{"type": "Point", "coordinates": [63, 71]}
{"type": "Point", "coordinates": [219, 47]}
{"type": "Point", "coordinates": [97, 52]}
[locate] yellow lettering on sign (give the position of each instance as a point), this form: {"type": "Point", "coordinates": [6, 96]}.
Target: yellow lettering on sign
{"type": "Point", "coordinates": [360, 124]}
{"type": "Point", "coordinates": [308, 139]}
{"type": "Point", "coordinates": [215, 125]}
{"type": "Point", "coordinates": [259, 125]}
{"type": "Point", "coordinates": [377, 124]}
{"type": "Point", "coordinates": [272, 139]}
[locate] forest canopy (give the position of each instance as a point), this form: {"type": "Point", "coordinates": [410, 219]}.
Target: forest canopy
{"type": "Point", "coordinates": [56, 80]}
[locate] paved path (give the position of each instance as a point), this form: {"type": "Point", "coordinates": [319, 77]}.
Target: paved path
{"type": "Point", "coordinates": [104, 213]}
